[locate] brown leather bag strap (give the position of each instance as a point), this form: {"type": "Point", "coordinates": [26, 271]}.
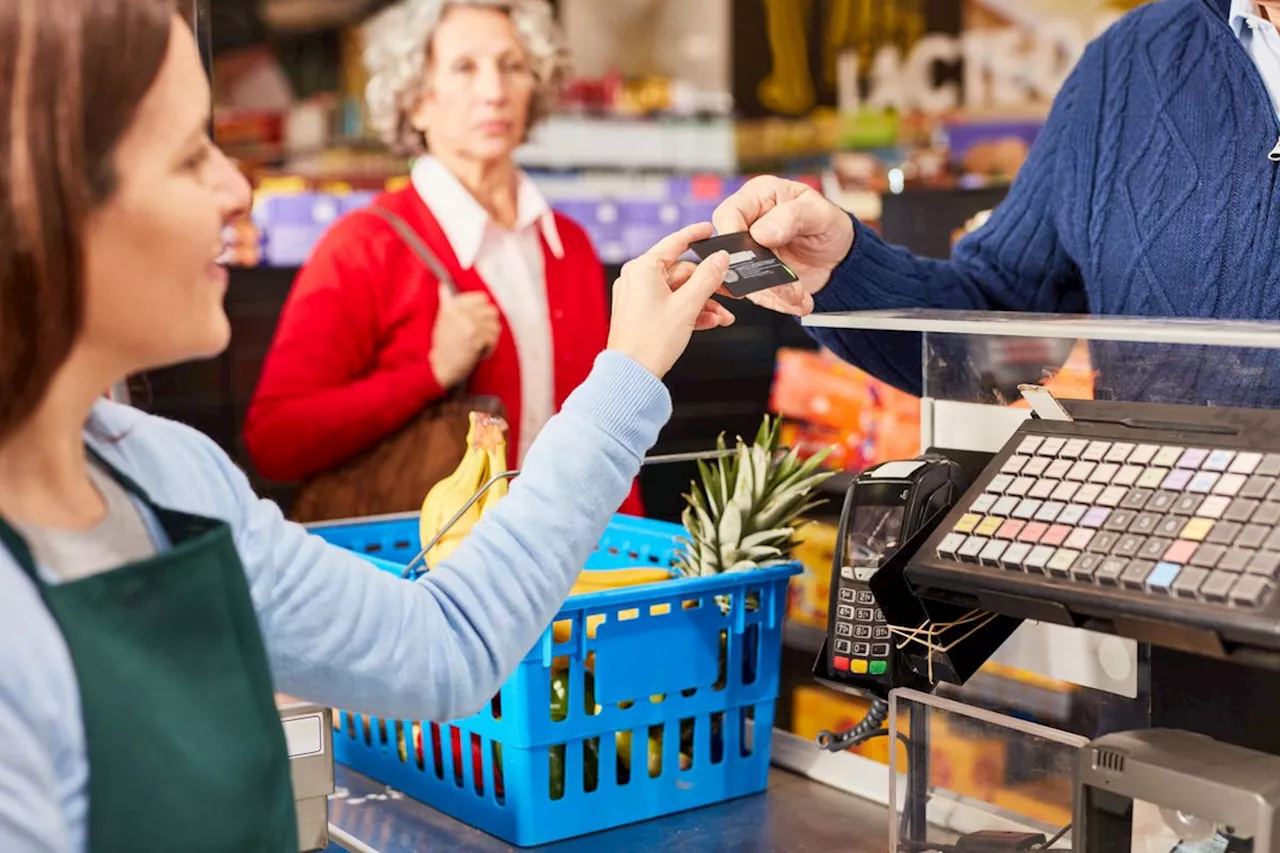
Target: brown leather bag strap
{"type": "Point", "coordinates": [419, 248]}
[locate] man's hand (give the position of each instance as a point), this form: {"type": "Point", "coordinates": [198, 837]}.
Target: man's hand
{"type": "Point", "coordinates": [809, 233]}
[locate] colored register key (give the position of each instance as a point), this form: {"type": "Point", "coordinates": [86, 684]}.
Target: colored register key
{"type": "Point", "coordinates": [1056, 535]}
{"type": "Point", "coordinates": [1197, 529]}
{"type": "Point", "coordinates": [1032, 532]}
{"type": "Point", "coordinates": [1180, 552]}
{"type": "Point", "coordinates": [1163, 576]}
{"type": "Point", "coordinates": [988, 526]}
{"type": "Point", "coordinates": [842, 664]}
{"type": "Point", "coordinates": [1010, 529]}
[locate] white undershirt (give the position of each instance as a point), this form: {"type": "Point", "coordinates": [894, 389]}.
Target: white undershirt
{"type": "Point", "coordinates": [510, 261]}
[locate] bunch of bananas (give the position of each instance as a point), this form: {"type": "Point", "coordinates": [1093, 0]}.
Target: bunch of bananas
{"type": "Point", "coordinates": [486, 455]}
{"type": "Point", "coordinates": [602, 580]}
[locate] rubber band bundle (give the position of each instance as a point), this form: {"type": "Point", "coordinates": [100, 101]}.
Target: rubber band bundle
{"type": "Point", "coordinates": [930, 634]}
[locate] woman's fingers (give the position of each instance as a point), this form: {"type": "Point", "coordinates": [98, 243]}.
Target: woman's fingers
{"type": "Point", "coordinates": [714, 315]}
{"type": "Point", "coordinates": [670, 248]}
{"type": "Point", "coordinates": [695, 293]}
{"type": "Point", "coordinates": [679, 272]}
{"type": "Point", "coordinates": [706, 320]}
{"type": "Point", "coordinates": [723, 314]}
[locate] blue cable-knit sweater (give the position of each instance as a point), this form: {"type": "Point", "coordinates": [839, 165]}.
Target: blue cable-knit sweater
{"type": "Point", "coordinates": [1148, 192]}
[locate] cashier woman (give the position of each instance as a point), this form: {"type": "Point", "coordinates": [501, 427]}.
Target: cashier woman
{"type": "Point", "coordinates": [150, 604]}
{"type": "Point", "coordinates": [1153, 190]}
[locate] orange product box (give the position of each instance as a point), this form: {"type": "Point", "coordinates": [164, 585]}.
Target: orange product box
{"type": "Point", "coordinates": [811, 590]}
{"type": "Point", "coordinates": [849, 448]}
{"type": "Point", "coordinates": [827, 402]}
{"type": "Point", "coordinates": [818, 388]}
{"type": "Point", "coordinates": [966, 765]}
{"type": "Point", "coordinates": [1047, 800]}
{"type": "Point", "coordinates": [1074, 380]}
{"type": "Point", "coordinates": [896, 432]}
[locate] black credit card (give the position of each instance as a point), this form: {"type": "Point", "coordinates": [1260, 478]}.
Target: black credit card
{"type": "Point", "coordinates": [752, 267]}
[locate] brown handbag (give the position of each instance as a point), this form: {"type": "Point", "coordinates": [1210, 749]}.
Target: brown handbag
{"type": "Point", "coordinates": [396, 474]}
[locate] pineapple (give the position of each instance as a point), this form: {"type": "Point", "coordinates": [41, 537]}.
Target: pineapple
{"type": "Point", "coordinates": [743, 514]}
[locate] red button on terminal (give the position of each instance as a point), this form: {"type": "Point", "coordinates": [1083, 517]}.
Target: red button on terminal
{"type": "Point", "coordinates": [842, 664]}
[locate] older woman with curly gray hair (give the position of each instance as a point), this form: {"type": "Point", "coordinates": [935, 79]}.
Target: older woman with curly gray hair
{"type": "Point", "coordinates": [369, 337]}
{"type": "Point", "coordinates": [398, 43]}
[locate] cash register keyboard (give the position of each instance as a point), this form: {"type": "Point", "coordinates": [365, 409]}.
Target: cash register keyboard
{"type": "Point", "coordinates": [1194, 523]}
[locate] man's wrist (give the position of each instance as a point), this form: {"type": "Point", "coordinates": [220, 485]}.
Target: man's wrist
{"type": "Point", "coordinates": [846, 220]}
{"type": "Point", "coordinates": [832, 298]}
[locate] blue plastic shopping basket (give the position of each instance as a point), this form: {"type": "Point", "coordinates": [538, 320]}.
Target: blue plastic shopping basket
{"type": "Point", "coordinates": [664, 703]}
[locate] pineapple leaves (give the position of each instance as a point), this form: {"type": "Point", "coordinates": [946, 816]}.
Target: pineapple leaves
{"type": "Point", "coordinates": [730, 528]}
{"type": "Point", "coordinates": [725, 466]}
{"type": "Point", "coordinates": [743, 511]}
{"type": "Point", "coordinates": [711, 486]}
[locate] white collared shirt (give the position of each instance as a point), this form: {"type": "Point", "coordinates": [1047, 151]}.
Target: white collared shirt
{"type": "Point", "coordinates": [1262, 41]}
{"type": "Point", "coordinates": [510, 262]}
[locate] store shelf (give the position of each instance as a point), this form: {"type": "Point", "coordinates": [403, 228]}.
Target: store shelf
{"type": "Point", "coordinates": [677, 145]}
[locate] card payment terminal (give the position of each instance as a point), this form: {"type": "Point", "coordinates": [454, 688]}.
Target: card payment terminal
{"type": "Point", "coordinates": [884, 507]}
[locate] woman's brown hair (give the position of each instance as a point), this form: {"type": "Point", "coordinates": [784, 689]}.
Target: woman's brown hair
{"type": "Point", "coordinates": [72, 75]}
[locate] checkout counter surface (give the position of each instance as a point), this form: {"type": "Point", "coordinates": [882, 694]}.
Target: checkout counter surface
{"type": "Point", "coordinates": [796, 815]}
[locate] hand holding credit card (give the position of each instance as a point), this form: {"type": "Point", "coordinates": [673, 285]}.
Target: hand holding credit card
{"type": "Point", "coordinates": [752, 267]}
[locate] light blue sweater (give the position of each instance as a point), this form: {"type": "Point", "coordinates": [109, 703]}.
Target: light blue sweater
{"type": "Point", "coordinates": [338, 631]}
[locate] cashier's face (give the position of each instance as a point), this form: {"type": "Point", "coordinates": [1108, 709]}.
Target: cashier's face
{"type": "Point", "coordinates": [153, 284]}
{"type": "Point", "coordinates": [478, 88]}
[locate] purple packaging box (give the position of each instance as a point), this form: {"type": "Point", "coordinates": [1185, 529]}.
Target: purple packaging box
{"type": "Point", "coordinates": [288, 210]}
{"type": "Point", "coordinates": [963, 136]}
{"type": "Point", "coordinates": [697, 211]}
{"type": "Point", "coordinates": [641, 225]}
{"type": "Point", "coordinates": [357, 199]}
{"type": "Point", "coordinates": [290, 245]}
{"type": "Point", "coordinates": [604, 223]}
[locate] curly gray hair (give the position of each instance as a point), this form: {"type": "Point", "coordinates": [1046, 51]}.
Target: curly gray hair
{"type": "Point", "coordinates": [396, 51]}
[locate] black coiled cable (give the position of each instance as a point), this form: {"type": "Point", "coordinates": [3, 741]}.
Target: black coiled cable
{"type": "Point", "coordinates": [872, 725]}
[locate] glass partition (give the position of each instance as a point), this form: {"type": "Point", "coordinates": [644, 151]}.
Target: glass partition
{"type": "Point", "coordinates": [957, 769]}
{"type": "Point", "coordinates": [982, 357]}
{"type": "Point", "coordinates": [971, 365]}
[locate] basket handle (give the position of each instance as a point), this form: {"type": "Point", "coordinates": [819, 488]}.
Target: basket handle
{"type": "Point", "coordinates": [411, 571]}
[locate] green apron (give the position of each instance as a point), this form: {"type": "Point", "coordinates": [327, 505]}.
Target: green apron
{"type": "Point", "coordinates": [185, 746]}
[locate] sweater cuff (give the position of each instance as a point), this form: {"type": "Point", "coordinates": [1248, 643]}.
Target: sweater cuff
{"type": "Point", "coordinates": [841, 291]}
{"type": "Point", "coordinates": [623, 399]}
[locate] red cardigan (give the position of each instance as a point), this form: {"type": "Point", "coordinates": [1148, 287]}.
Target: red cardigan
{"type": "Point", "coordinates": [349, 363]}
